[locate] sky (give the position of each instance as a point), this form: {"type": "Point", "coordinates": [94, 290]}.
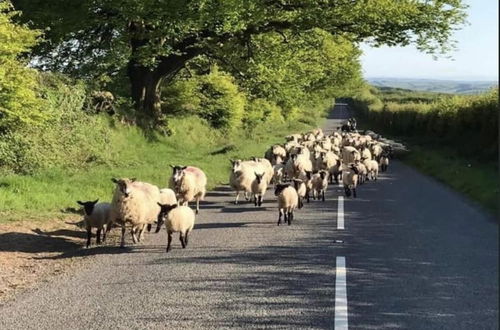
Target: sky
{"type": "Point", "coordinates": [476, 57]}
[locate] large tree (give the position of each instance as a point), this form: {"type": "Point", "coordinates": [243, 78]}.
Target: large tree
{"type": "Point", "coordinates": [153, 39]}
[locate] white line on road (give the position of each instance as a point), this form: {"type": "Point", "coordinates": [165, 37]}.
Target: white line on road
{"type": "Point", "coordinates": [340, 213]}
{"type": "Point", "coordinates": [341, 322]}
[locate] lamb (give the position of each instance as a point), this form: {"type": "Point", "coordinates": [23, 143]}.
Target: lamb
{"type": "Point", "coordinates": [167, 197]}
{"type": "Point", "coordinates": [189, 183]}
{"type": "Point", "coordinates": [287, 202]}
{"type": "Point", "coordinates": [241, 178]}
{"type": "Point", "coordinates": [350, 180]}
{"type": "Point", "coordinates": [265, 165]}
{"type": "Point", "coordinates": [136, 203]}
{"type": "Point", "coordinates": [371, 168]}
{"type": "Point", "coordinates": [97, 215]}
{"type": "Point", "coordinates": [301, 188]}
{"type": "Point", "coordinates": [259, 187]}
{"type": "Point", "coordinates": [177, 219]}
{"type": "Point", "coordinates": [362, 171]}
{"type": "Point", "coordinates": [384, 162]}
{"type": "Point", "coordinates": [319, 184]}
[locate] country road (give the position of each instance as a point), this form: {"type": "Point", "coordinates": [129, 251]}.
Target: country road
{"type": "Point", "coordinates": [417, 256]}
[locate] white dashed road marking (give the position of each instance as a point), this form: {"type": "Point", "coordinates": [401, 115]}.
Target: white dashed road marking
{"type": "Point", "coordinates": [340, 213]}
{"type": "Point", "coordinates": [341, 322]}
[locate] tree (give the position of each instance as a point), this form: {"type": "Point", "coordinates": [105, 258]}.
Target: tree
{"type": "Point", "coordinates": [154, 39]}
{"type": "Point", "coordinates": [19, 99]}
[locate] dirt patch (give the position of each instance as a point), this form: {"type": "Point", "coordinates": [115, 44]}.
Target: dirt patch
{"type": "Point", "coordinates": [32, 252]}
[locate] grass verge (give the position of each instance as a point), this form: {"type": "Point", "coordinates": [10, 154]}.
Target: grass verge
{"type": "Point", "coordinates": [51, 194]}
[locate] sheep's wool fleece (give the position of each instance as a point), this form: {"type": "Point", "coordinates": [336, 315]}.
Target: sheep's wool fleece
{"type": "Point", "coordinates": [139, 207]}
{"type": "Point", "coordinates": [180, 219]}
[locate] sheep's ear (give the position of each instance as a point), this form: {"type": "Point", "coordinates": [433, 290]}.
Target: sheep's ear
{"type": "Point", "coordinates": [160, 204]}
{"type": "Point", "coordinates": [94, 202]}
{"type": "Point", "coordinates": [172, 166]}
{"type": "Point", "coordinates": [183, 167]}
{"type": "Point", "coordinates": [133, 179]}
{"type": "Point", "coordinates": [114, 180]}
{"type": "Point", "coordinates": [80, 202]}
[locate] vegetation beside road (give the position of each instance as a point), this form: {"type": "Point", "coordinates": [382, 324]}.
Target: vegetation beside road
{"type": "Point", "coordinates": [452, 138]}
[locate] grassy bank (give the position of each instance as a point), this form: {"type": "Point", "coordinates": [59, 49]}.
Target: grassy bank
{"type": "Point", "coordinates": [453, 139]}
{"type": "Point", "coordinates": [49, 194]}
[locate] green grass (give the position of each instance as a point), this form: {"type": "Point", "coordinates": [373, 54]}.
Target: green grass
{"type": "Point", "coordinates": [478, 181]}
{"type": "Point", "coordinates": [49, 193]}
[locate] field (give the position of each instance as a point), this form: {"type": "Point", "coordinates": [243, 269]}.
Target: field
{"type": "Point", "coordinates": [434, 85]}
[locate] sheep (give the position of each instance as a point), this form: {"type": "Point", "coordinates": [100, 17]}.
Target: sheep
{"type": "Point", "coordinates": [335, 171]}
{"type": "Point", "coordinates": [350, 154]}
{"type": "Point", "coordinates": [189, 183]}
{"type": "Point", "coordinates": [288, 200]}
{"type": "Point", "coordinates": [167, 197]}
{"type": "Point", "coordinates": [376, 150]}
{"type": "Point", "coordinates": [350, 180]}
{"type": "Point", "coordinates": [177, 219]}
{"type": "Point", "coordinates": [302, 162]}
{"type": "Point", "coordinates": [279, 154]}
{"type": "Point", "coordinates": [97, 215]}
{"type": "Point", "coordinates": [362, 171]}
{"type": "Point", "coordinates": [319, 184]}
{"type": "Point", "coordinates": [266, 166]}
{"type": "Point", "coordinates": [259, 187]}
{"type": "Point", "coordinates": [384, 162]}
{"type": "Point", "coordinates": [306, 176]}
{"type": "Point", "coordinates": [365, 153]}
{"type": "Point", "coordinates": [134, 202]}
{"type": "Point", "coordinates": [241, 178]}
{"type": "Point", "coordinates": [371, 168]}
{"type": "Point", "coordinates": [301, 188]}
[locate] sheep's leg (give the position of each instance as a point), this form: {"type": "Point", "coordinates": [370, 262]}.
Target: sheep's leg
{"type": "Point", "coordinates": [354, 192]}
{"type": "Point", "coordinates": [89, 235]}
{"type": "Point", "coordinates": [149, 227]}
{"type": "Point", "coordinates": [141, 232]}
{"type": "Point", "coordinates": [255, 203]}
{"type": "Point", "coordinates": [290, 217]}
{"type": "Point", "coordinates": [186, 237]}
{"type": "Point", "coordinates": [134, 237]}
{"type": "Point", "coordinates": [260, 200]}
{"type": "Point", "coordinates": [279, 217]}
{"type": "Point", "coordinates": [104, 231]}
{"type": "Point", "coordinates": [122, 243]}
{"type": "Point", "coordinates": [307, 196]}
{"type": "Point", "coordinates": [169, 243]}
{"type": "Point", "coordinates": [237, 196]}
{"type": "Point", "coordinates": [323, 195]}
{"type": "Point", "coordinates": [98, 240]}
{"type": "Point", "coordinates": [158, 225]}
{"type": "Point", "coordinates": [197, 204]}
{"type": "Point", "coordinates": [246, 194]}
{"type": "Point", "coordinates": [181, 238]}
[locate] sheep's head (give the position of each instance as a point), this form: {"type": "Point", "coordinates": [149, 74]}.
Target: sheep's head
{"type": "Point", "coordinates": [235, 165]}
{"type": "Point", "coordinates": [258, 177]}
{"type": "Point", "coordinates": [297, 183]}
{"type": "Point", "coordinates": [88, 207]}
{"type": "Point", "coordinates": [308, 175]}
{"type": "Point", "coordinates": [177, 172]}
{"type": "Point", "coordinates": [124, 185]}
{"type": "Point", "coordinates": [280, 188]}
{"type": "Point", "coordinates": [164, 210]}
{"type": "Point", "coordinates": [323, 174]}
{"type": "Point", "coordinates": [354, 169]}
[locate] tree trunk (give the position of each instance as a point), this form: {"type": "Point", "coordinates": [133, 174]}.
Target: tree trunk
{"type": "Point", "coordinates": [145, 90]}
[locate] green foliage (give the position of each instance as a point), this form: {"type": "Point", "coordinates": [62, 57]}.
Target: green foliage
{"type": "Point", "coordinates": [69, 137]}
{"type": "Point", "coordinates": [467, 123]}
{"type": "Point", "coordinates": [19, 101]}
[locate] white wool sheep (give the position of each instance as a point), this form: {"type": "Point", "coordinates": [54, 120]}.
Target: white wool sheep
{"type": "Point", "coordinates": [350, 180]}
{"type": "Point", "coordinates": [362, 171]}
{"type": "Point", "coordinates": [371, 168]}
{"type": "Point", "coordinates": [178, 219]}
{"type": "Point", "coordinates": [319, 183]}
{"type": "Point", "coordinates": [376, 150]}
{"type": "Point", "coordinates": [96, 215]}
{"type": "Point", "coordinates": [365, 153]}
{"type": "Point", "coordinates": [288, 200]}
{"type": "Point", "coordinates": [350, 155]}
{"type": "Point", "coordinates": [259, 187]}
{"type": "Point", "coordinates": [134, 202]}
{"type": "Point", "coordinates": [189, 183]}
{"type": "Point", "coordinates": [241, 178]}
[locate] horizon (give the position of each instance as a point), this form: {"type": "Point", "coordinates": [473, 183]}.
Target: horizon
{"type": "Point", "coordinates": [475, 58]}
{"type": "Point", "coordinates": [492, 80]}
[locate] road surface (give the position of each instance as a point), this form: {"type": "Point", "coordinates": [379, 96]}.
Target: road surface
{"type": "Point", "coordinates": [417, 255]}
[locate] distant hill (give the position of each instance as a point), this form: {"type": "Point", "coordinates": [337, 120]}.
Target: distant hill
{"type": "Point", "coordinates": [434, 85]}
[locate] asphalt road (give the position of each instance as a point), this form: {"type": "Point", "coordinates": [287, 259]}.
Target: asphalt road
{"type": "Point", "coordinates": [418, 256]}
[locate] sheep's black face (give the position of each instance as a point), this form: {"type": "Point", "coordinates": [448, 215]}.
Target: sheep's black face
{"type": "Point", "coordinates": [88, 207]}
{"type": "Point", "coordinates": [297, 183]}
{"type": "Point", "coordinates": [178, 172]}
{"type": "Point", "coordinates": [322, 174]}
{"type": "Point", "coordinates": [235, 165]}
{"type": "Point", "coordinates": [280, 188]}
{"type": "Point", "coordinates": [354, 169]}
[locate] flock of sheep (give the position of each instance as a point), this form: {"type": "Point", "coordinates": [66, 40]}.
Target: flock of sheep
{"type": "Point", "coordinates": [300, 168]}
